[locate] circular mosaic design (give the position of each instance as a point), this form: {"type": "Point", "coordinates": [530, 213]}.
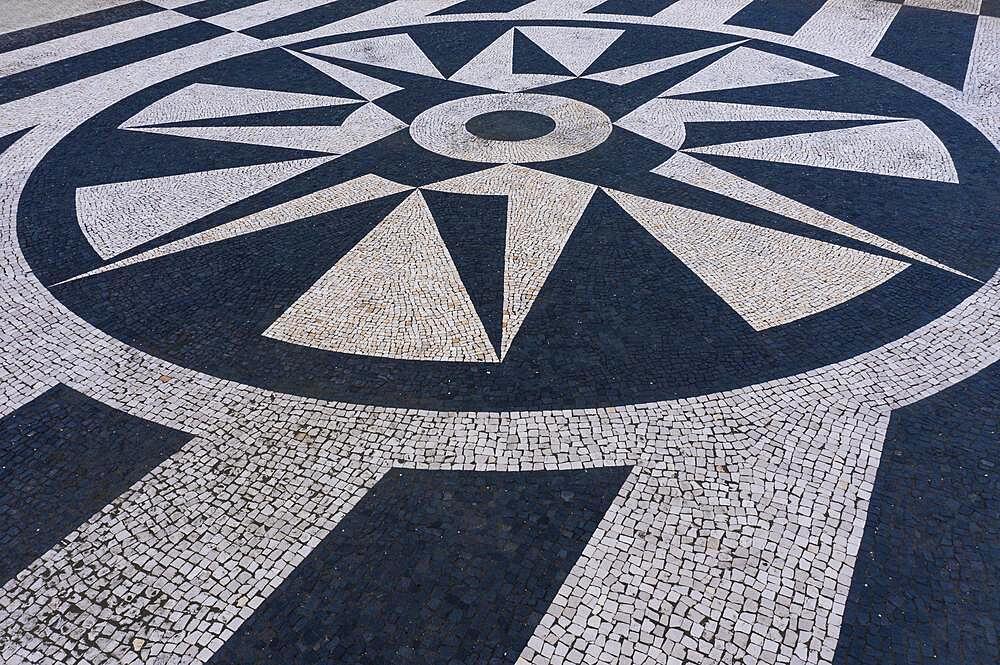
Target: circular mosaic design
{"type": "Point", "coordinates": [511, 215]}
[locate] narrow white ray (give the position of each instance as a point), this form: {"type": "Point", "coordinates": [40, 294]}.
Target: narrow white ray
{"type": "Point", "coordinates": [119, 216]}
{"type": "Point", "coordinates": [747, 67]}
{"type": "Point", "coordinates": [390, 51]}
{"type": "Point", "coordinates": [768, 277]}
{"type": "Point", "coordinates": [662, 119]}
{"type": "Point", "coordinates": [692, 171]}
{"type": "Point", "coordinates": [396, 294]}
{"type": "Point", "coordinates": [202, 101]}
{"type": "Point", "coordinates": [343, 195]}
{"type": "Point", "coordinates": [368, 87]}
{"type": "Point", "coordinates": [906, 149]}
{"type": "Point", "coordinates": [542, 211]}
{"type": "Point", "coordinates": [630, 73]}
{"type": "Point", "coordinates": [366, 125]}
{"type": "Point", "coordinates": [493, 68]}
{"type": "Point", "coordinates": [575, 48]}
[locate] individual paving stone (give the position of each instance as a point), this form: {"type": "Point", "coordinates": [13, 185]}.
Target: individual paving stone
{"type": "Point", "coordinates": [63, 457]}
{"type": "Point", "coordinates": [924, 586]}
{"type": "Point", "coordinates": [432, 566]}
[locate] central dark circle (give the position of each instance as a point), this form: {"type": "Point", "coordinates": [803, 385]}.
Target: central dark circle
{"type": "Point", "coordinates": [510, 125]}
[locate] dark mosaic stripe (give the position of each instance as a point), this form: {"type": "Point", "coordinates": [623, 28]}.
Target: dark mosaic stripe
{"type": "Point", "coordinates": [483, 7]}
{"type": "Point", "coordinates": [926, 586]}
{"type": "Point", "coordinates": [933, 42]}
{"type": "Point", "coordinates": [776, 15]}
{"type": "Point", "coordinates": [632, 7]}
{"type": "Point", "coordinates": [63, 457]}
{"type": "Point", "coordinates": [990, 8]}
{"type": "Point", "coordinates": [43, 33]}
{"type": "Point", "coordinates": [49, 76]}
{"type": "Point", "coordinates": [313, 18]}
{"type": "Point", "coordinates": [432, 567]}
{"type": "Point", "coordinates": [207, 8]}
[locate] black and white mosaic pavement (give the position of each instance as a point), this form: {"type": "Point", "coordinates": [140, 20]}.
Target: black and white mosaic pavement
{"type": "Point", "coordinates": [500, 331]}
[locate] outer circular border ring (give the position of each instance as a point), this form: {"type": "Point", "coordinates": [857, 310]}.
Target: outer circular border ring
{"type": "Point", "coordinates": [50, 344]}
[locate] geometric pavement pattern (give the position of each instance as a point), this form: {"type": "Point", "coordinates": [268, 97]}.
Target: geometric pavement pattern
{"type": "Point", "coordinates": [529, 331]}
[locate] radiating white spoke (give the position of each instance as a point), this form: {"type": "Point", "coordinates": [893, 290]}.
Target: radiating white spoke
{"type": "Point", "coordinates": [575, 48]}
{"type": "Point", "coordinates": [366, 125]}
{"type": "Point", "coordinates": [396, 294]}
{"type": "Point", "coordinates": [692, 171]}
{"type": "Point", "coordinates": [202, 101]}
{"type": "Point", "coordinates": [747, 67]}
{"type": "Point", "coordinates": [630, 73]}
{"type": "Point", "coordinates": [391, 51]}
{"type": "Point", "coordinates": [768, 277]}
{"type": "Point", "coordinates": [493, 68]}
{"type": "Point", "coordinates": [662, 119]}
{"type": "Point", "coordinates": [368, 87]}
{"type": "Point", "coordinates": [119, 216]}
{"type": "Point", "coordinates": [343, 195]}
{"type": "Point", "coordinates": [906, 149]}
{"type": "Point", "coordinates": [542, 211]}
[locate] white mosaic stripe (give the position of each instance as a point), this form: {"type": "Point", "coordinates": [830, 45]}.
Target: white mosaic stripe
{"type": "Point", "coordinates": [21, 15]}
{"type": "Point", "coordinates": [847, 26]}
{"type": "Point", "coordinates": [262, 12]}
{"type": "Point", "coordinates": [982, 81]}
{"type": "Point", "coordinates": [44, 53]}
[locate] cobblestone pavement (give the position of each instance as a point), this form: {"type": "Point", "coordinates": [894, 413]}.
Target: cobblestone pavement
{"type": "Point", "coordinates": [500, 331]}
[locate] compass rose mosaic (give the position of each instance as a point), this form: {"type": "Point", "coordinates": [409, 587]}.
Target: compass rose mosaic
{"type": "Point", "coordinates": [515, 215]}
{"type": "Point", "coordinates": [499, 331]}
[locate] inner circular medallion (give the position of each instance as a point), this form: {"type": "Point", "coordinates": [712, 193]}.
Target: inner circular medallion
{"type": "Point", "coordinates": [510, 125]}
{"type": "Point", "coordinates": [507, 128]}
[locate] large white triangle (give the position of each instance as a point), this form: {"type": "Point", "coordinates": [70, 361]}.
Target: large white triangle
{"type": "Point", "coordinates": [747, 67]}
{"type": "Point", "coordinates": [542, 212]}
{"type": "Point", "coordinates": [905, 149]}
{"type": "Point", "coordinates": [203, 101]}
{"type": "Point", "coordinates": [768, 277]}
{"type": "Point", "coordinates": [119, 216]}
{"type": "Point", "coordinates": [575, 48]}
{"type": "Point", "coordinates": [358, 190]}
{"type": "Point", "coordinates": [389, 51]}
{"type": "Point", "coordinates": [493, 68]}
{"type": "Point", "coordinates": [692, 171]}
{"type": "Point", "coordinates": [396, 294]}
{"type": "Point", "coordinates": [368, 87]}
